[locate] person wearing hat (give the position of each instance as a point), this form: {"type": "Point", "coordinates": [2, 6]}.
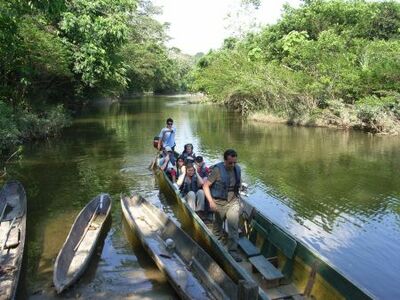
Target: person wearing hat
{"type": "Point", "coordinates": [201, 167]}
{"type": "Point", "coordinates": [167, 136]}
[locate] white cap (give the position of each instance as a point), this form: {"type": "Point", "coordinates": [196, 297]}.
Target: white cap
{"type": "Point", "coordinates": [168, 149]}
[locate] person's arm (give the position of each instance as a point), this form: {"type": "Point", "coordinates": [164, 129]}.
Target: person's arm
{"type": "Point", "coordinates": [181, 176]}
{"type": "Point", "coordinates": [159, 145]}
{"type": "Point", "coordinates": [207, 193]}
{"type": "Point", "coordinates": [200, 181]}
{"type": "Point", "coordinates": [165, 163]}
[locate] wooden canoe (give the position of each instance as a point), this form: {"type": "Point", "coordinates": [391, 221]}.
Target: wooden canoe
{"type": "Point", "coordinates": [306, 275]}
{"type": "Point", "coordinates": [80, 244]}
{"type": "Point", "coordinates": [12, 236]}
{"type": "Point", "coordinates": [190, 270]}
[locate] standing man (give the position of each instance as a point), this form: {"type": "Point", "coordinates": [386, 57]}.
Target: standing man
{"type": "Point", "coordinates": [167, 136]}
{"type": "Point", "coordinates": [222, 192]}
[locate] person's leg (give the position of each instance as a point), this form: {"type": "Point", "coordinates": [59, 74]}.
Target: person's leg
{"type": "Point", "coordinates": [219, 216]}
{"type": "Point", "coordinates": [232, 217]}
{"type": "Point", "coordinates": [191, 200]}
{"type": "Point", "coordinates": [200, 200]}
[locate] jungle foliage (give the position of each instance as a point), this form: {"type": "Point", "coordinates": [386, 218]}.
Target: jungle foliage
{"type": "Point", "coordinates": [54, 55]}
{"type": "Point", "coordinates": [328, 62]}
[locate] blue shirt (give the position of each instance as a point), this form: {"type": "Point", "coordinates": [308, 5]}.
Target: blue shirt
{"type": "Point", "coordinates": [168, 139]}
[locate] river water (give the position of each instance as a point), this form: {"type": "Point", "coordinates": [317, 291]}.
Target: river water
{"type": "Point", "coordinates": [337, 191]}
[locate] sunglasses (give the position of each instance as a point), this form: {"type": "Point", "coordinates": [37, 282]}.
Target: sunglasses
{"type": "Point", "coordinates": [169, 123]}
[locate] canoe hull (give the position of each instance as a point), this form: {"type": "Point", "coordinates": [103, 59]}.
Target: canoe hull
{"type": "Point", "coordinates": [328, 283]}
{"type": "Point", "coordinates": [75, 254]}
{"type": "Point", "coordinates": [195, 268]}
{"type": "Point", "coordinates": [11, 258]}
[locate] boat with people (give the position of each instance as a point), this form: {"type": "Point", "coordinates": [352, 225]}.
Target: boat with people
{"type": "Point", "coordinates": [78, 248]}
{"type": "Point", "coordinates": [282, 266]}
{"type": "Point", "coordinates": [12, 236]}
{"type": "Point", "coordinates": [190, 270]}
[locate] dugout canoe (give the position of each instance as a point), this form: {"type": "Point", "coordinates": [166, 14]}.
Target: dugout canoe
{"type": "Point", "coordinates": [189, 269]}
{"type": "Point", "coordinates": [12, 236]}
{"type": "Point", "coordinates": [294, 271]}
{"type": "Point", "coordinates": [81, 242]}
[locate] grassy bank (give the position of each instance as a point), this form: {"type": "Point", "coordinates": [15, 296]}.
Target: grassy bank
{"type": "Point", "coordinates": [377, 119]}
{"type": "Point", "coordinates": [350, 117]}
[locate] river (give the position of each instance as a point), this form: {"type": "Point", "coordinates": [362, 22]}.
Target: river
{"type": "Point", "coordinates": [337, 191]}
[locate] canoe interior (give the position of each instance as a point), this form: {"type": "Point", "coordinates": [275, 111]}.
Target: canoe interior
{"type": "Point", "coordinates": [81, 242]}
{"type": "Point", "coordinates": [192, 223]}
{"type": "Point", "coordinates": [327, 283]}
{"type": "Point", "coordinates": [309, 275]}
{"type": "Point", "coordinates": [12, 236]}
{"type": "Point", "coordinates": [191, 271]}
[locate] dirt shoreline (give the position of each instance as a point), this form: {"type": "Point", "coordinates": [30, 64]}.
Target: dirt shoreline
{"type": "Point", "coordinates": [329, 120]}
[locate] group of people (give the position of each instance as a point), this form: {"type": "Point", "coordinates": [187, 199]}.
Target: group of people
{"type": "Point", "coordinates": [205, 189]}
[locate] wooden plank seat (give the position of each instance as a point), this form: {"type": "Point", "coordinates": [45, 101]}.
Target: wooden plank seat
{"type": "Point", "coordinates": [248, 248]}
{"type": "Point", "coordinates": [266, 269]}
{"type": "Point", "coordinates": [273, 239]}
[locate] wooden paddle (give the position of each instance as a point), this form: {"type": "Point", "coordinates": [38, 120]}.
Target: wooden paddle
{"type": "Point", "coordinates": [154, 161]}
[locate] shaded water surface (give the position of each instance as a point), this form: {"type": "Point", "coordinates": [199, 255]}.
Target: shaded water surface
{"type": "Point", "coordinates": [337, 191]}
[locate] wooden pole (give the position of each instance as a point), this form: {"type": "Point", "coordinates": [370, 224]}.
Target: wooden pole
{"type": "Point", "coordinates": [154, 161]}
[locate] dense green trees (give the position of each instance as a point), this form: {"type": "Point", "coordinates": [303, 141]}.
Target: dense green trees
{"type": "Point", "coordinates": [327, 62]}
{"type": "Point", "coordinates": [63, 52]}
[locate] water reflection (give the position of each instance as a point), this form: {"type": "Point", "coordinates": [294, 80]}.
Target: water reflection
{"type": "Point", "coordinates": [338, 191]}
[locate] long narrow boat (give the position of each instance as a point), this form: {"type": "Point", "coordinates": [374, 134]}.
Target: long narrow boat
{"type": "Point", "coordinates": [190, 270]}
{"type": "Point", "coordinates": [12, 236]}
{"type": "Point", "coordinates": [279, 263]}
{"type": "Point", "coordinates": [80, 244]}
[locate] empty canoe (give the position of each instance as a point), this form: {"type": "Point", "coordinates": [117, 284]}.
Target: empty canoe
{"type": "Point", "coordinates": [80, 244]}
{"type": "Point", "coordinates": [190, 270]}
{"type": "Point", "coordinates": [12, 236]}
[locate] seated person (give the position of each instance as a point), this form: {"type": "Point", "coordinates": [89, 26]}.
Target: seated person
{"type": "Point", "coordinates": [180, 166]}
{"type": "Point", "coordinates": [167, 164]}
{"type": "Point", "coordinates": [201, 167]}
{"type": "Point", "coordinates": [190, 186]}
{"type": "Point", "coordinates": [188, 154]}
{"type": "Point", "coordinates": [180, 171]}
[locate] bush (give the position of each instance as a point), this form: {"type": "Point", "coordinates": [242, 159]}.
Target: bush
{"type": "Point", "coordinates": [336, 55]}
{"type": "Point", "coordinates": [379, 114]}
{"type": "Point", "coordinates": [26, 125]}
{"type": "Point", "coordinates": [48, 123]}
{"type": "Point", "coordinates": [9, 133]}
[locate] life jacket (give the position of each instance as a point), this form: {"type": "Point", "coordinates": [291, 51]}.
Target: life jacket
{"type": "Point", "coordinates": [189, 185]}
{"type": "Point", "coordinates": [220, 188]}
{"type": "Point", "coordinates": [185, 156]}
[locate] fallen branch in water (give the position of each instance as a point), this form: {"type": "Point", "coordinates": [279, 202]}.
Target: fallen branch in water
{"type": "Point", "coordinates": [7, 160]}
